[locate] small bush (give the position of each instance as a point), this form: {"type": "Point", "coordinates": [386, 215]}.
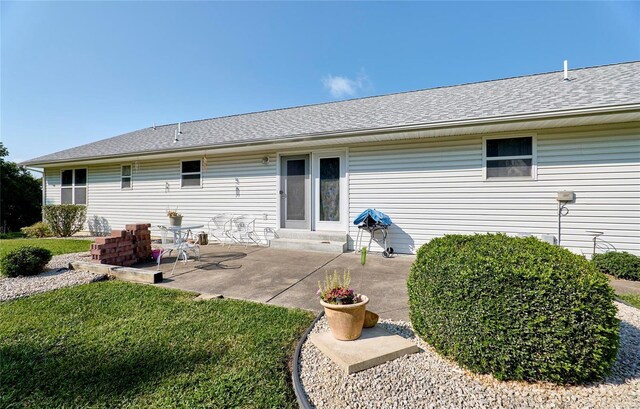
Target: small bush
{"type": "Point", "coordinates": [11, 235]}
{"type": "Point", "coordinates": [619, 264]}
{"type": "Point", "coordinates": [517, 308]}
{"type": "Point", "coordinates": [24, 261]}
{"type": "Point", "coordinates": [65, 220]}
{"type": "Point", "coordinates": [37, 230]}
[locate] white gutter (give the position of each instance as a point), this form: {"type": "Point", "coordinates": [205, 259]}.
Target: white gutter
{"type": "Point", "coordinates": [485, 121]}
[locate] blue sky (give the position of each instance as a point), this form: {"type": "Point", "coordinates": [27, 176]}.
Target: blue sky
{"type": "Point", "coordinates": [72, 73]}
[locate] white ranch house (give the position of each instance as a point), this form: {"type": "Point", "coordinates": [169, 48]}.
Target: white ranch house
{"type": "Point", "coordinates": [482, 157]}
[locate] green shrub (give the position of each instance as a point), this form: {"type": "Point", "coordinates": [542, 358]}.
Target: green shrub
{"type": "Point", "coordinates": [37, 230]}
{"type": "Point", "coordinates": [517, 308]}
{"type": "Point", "coordinates": [24, 261]}
{"type": "Point", "coordinates": [65, 220]}
{"type": "Point", "coordinates": [618, 264]}
{"type": "Point", "coordinates": [11, 235]}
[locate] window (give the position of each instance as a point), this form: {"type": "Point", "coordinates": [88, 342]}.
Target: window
{"type": "Point", "coordinates": [125, 177]}
{"type": "Point", "coordinates": [509, 157]}
{"type": "Point", "coordinates": [191, 173]}
{"type": "Point", "coordinates": [74, 187]}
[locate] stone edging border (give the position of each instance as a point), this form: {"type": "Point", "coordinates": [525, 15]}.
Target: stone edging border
{"type": "Point", "coordinates": [301, 396]}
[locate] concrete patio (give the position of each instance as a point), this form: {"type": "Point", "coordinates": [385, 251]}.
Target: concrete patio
{"type": "Point", "coordinates": [290, 278]}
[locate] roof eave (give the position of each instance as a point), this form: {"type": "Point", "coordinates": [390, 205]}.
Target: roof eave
{"type": "Point", "coordinates": [484, 121]}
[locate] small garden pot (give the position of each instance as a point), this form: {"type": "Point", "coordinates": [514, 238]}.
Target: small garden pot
{"type": "Point", "coordinates": [155, 253]}
{"type": "Point", "coordinates": [175, 221]}
{"type": "Point", "coordinates": [346, 321]}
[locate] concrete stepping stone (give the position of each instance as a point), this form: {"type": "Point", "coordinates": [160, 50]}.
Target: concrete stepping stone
{"type": "Point", "coordinates": [374, 347]}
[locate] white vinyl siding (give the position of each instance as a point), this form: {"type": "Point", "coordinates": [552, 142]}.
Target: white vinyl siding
{"type": "Point", "coordinates": [52, 185]}
{"type": "Point", "coordinates": [231, 184]}
{"type": "Point", "coordinates": [433, 187]}
{"type": "Point", "coordinates": [429, 187]}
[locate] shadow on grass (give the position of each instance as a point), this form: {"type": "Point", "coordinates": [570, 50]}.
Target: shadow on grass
{"type": "Point", "coordinates": [73, 377]}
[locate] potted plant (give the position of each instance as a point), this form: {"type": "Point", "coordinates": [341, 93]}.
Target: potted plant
{"type": "Point", "coordinates": [345, 310]}
{"type": "Point", "coordinates": [175, 218]}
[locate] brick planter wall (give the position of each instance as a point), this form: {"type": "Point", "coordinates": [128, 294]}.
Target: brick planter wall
{"type": "Point", "coordinates": [123, 247]}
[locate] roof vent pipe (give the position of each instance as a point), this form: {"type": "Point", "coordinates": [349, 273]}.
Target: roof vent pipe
{"type": "Point", "coordinates": [180, 128]}
{"type": "Point", "coordinates": [175, 136]}
{"type": "Point", "coordinates": [566, 70]}
{"type": "Point", "coordinates": [154, 126]}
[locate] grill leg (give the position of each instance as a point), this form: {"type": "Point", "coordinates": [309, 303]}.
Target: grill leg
{"type": "Point", "coordinates": [371, 234]}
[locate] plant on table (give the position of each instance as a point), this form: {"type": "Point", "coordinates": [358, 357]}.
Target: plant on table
{"type": "Point", "coordinates": [175, 218]}
{"type": "Point", "coordinates": [173, 213]}
{"type": "Point", "coordinates": [344, 308]}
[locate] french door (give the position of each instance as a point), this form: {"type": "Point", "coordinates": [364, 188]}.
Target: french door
{"type": "Point", "coordinates": [295, 193]}
{"type": "Point", "coordinates": [330, 191]}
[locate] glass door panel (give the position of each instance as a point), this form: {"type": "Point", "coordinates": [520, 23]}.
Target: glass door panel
{"type": "Point", "coordinates": [329, 189]}
{"type": "Point", "coordinates": [295, 191]}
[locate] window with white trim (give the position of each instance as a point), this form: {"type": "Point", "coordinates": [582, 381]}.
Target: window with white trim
{"type": "Point", "coordinates": [191, 173]}
{"type": "Point", "coordinates": [509, 157]}
{"type": "Point", "coordinates": [74, 187]}
{"type": "Point", "coordinates": [126, 177]}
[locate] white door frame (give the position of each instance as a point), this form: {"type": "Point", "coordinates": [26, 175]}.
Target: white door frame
{"type": "Point", "coordinates": [343, 223]}
{"type": "Point", "coordinates": [314, 161]}
{"type": "Point", "coordinates": [305, 224]}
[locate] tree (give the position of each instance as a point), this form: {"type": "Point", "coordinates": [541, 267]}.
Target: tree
{"type": "Point", "coordinates": [20, 195]}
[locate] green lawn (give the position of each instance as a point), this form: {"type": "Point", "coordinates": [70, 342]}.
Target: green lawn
{"type": "Point", "coordinates": [633, 299]}
{"type": "Point", "coordinates": [115, 344]}
{"type": "Point", "coordinates": [57, 246]}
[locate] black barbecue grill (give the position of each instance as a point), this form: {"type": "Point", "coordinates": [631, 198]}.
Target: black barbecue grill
{"type": "Point", "coordinates": [373, 221]}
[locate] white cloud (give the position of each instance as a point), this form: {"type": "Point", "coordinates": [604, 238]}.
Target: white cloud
{"type": "Point", "coordinates": [341, 87]}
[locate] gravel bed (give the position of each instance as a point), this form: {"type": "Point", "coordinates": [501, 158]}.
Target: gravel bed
{"type": "Point", "coordinates": [17, 287]}
{"type": "Point", "coordinates": [427, 380]}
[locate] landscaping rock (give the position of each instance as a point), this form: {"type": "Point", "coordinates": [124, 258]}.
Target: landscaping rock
{"type": "Point", "coordinates": [427, 380]}
{"type": "Point", "coordinates": [56, 276]}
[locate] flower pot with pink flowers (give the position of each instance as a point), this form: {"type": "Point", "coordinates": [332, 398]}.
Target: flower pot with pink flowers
{"type": "Point", "coordinates": [344, 309]}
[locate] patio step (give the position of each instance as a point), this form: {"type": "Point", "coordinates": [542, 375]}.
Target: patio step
{"type": "Point", "coordinates": [327, 246]}
{"type": "Point", "coordinates": [312, 235]}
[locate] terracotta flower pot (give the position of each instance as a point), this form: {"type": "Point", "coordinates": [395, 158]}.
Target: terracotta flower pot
{"type": "Point", "coordinates": [346, 321]}
{"type": "Point", "coordinates": [175, 221]}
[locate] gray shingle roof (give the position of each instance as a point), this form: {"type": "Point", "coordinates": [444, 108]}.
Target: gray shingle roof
{"type": "Point", "coordinates": [609, 85]}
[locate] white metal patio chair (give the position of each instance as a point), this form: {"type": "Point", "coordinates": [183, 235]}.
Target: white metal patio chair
{"type": "Point", "coordinates": [220, 227]}
{"type": "Point", "coordinates": [244, 230]}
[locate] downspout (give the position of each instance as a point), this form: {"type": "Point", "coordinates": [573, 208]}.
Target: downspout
{"type": "Point", "coordinates": [44, 187]}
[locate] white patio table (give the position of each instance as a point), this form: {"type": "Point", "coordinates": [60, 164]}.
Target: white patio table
{"type": "Point", "coordinates": [180, 236]}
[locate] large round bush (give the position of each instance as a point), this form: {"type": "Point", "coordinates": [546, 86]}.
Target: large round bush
{"type": "Point", "coordinates": [517, 308]}
{"type": "Point", "coordinates": [24, 261]}
{"type": "Point", "coordinates": [619, 264]}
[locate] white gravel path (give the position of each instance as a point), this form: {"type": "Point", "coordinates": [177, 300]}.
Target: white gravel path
{"type": "Point", "coordinates": [17, 287]}
{"type": "Point", "coordinates": [427, 380]}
